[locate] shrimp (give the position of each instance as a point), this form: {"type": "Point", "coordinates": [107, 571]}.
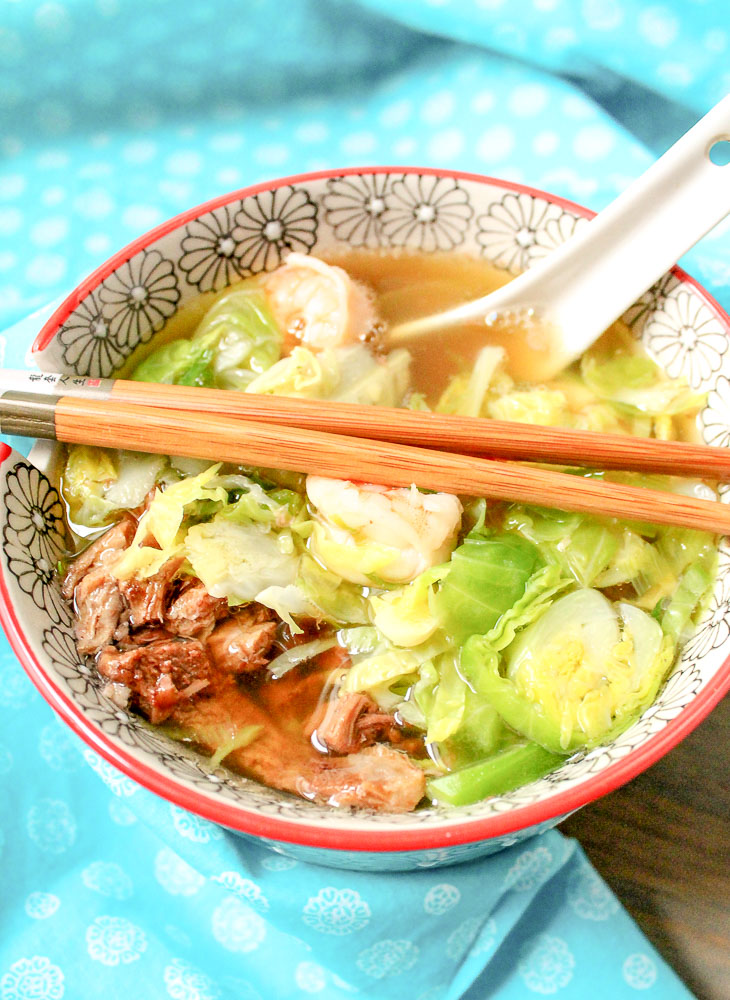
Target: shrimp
{"type": "Point", "coordinates": [318, 303]}
{"type": "Point", "coordinates": [365, 532]}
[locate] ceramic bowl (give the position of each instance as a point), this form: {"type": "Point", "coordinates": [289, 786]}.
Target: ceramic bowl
{"type": "Point", "coordinates": [127, 300]}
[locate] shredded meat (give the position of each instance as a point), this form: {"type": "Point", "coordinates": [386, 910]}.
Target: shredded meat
{"type": "Point", "coordinates": [377, 777]}
{"type": "Point", "coordinates": [147, 599]}
{"type": "Point", "coordinates": [158, 675]}
{"type": "Point", "coordinates": [193, 611]}
{"type": "Point", "coordinates": [142, 637]}
{"type": "Point", "coordinates": [171, 651]}
{"type": "Point", "coordinates": [241, 643]}
{"type": "Point", "coordinates": [99, 607]}
{"type": "Point", "coordinates": [339, 725]}
{"type": "Point", "coordinates": [381, 727]}
{"type": "Point", "coordinates": [374, 778]}
{"type": "Point", "coordinates": [347, 724]}
{"type": "Point", "coordinates": [103, 552]}
{"type": "Point", "coordinates": [97, 599]}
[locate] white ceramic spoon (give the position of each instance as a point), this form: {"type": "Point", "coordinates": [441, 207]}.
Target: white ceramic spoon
{"type": "Point", "coordinates": [580, 288]}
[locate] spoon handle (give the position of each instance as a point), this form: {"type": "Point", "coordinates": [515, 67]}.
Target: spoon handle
{"type": "Point", "coordinates": [584, 285]}
{"type": "Point", "coordinates": [621, 253]}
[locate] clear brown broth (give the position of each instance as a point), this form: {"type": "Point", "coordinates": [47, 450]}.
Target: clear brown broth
{"type": "Point", "coordinates": [410, 285]}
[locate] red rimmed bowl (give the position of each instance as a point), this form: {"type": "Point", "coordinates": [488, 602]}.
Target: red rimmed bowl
{"type": "Point", "coordinates": [125, 302]}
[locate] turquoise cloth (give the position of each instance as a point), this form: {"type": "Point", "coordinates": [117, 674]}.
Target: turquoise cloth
{"type": "Point", "coordinates": [116, 114]}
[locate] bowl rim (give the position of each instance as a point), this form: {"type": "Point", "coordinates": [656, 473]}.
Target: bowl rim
{"type": "Point", "coordinates": [242, 819]}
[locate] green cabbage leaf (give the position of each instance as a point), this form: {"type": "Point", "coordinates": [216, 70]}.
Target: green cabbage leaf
{"type": "Point", "coordinates": [236, 340]}
{"type": "Point", "coordinates": [638, 383]}
{"type": "Point", "coordinates": [487, 575]}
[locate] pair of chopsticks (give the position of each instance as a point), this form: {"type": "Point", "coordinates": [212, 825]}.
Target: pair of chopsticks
{"type": "Point", "coordinates": [393, 447]}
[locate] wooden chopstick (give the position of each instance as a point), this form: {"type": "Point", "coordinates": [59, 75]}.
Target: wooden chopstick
{"type": "Point", "coordinates": [110, 423]}
{"type": "Point", "coordinates": [466, 435]}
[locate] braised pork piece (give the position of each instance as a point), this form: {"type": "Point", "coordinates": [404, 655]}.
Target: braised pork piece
{"type": "Point", "coordinates": [177, 655]}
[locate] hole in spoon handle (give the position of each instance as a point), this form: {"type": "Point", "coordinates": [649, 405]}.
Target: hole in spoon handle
{"type": "Point", "coordinates": [719, 152]}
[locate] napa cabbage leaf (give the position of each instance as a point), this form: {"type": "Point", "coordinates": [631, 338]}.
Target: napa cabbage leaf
{"type": "Point", "coordinates": [98, 483]}
{"type": "Point", "coordinates": [350, 374]}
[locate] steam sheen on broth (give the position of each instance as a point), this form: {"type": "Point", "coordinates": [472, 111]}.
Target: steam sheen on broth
{"type": "Point", "coordinates": [373, 647]}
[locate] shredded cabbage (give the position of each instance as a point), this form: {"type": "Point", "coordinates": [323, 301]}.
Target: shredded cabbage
{"type": "Point", "coordinates": [635, 381]}
{"type": "Point", "coordinates": [159, 536]}
{"type": "Point", "coordinates": [226, 739]}
{"type": "Point", "coordinates": [295, 655]}
{"type": "Point", "coordinates": [238, 561]}
{"type": "Point", "coordinates": [408, 615]}
{"type": "Point", "coordinates": [348, 374]}
{"type": "Point", "coordinates": [98, 483]}
{"type": "Point", "coordinates": [449, 702]}
{"type": "Point", "coordinates": [531, 406]}
{"type": "Point", "coordinates": [335, 599]}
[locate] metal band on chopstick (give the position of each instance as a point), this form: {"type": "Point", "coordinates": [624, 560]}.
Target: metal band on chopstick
{"type": "Point", "coordinates": [28, 414]}
{"type": "Point", "coordinates": [28, 400]}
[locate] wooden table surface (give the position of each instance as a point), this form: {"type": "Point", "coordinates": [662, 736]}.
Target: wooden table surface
{"type": "Point", "coordinates": [662, 843]}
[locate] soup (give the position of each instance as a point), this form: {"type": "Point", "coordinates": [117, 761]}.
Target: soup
{"type": "Point", "coordinates": [367, 646]}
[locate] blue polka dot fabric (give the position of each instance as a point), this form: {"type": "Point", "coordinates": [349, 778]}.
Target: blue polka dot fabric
{"type": "Point", "coordinates": [109, 891]}
{"type": "Point", "coordinates": [116, 115]}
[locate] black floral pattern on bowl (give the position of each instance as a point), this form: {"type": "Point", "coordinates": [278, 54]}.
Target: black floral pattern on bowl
{"type": "Point", "coordinates": [59, 646]}
{"type": "Point", "coordinates": [211, 253]}
{"type": "Point", "coordinates": [125, 727]}
{"type": "Point", "coordinates": [715, 418]}
{"type": "Point", "coordinates": [713, 629]}
{"type": "Point", "coordinates": [559, 229]}
{"type": "Point", "coordinates": [139, 297]}
{"type": "Point", "coordinates": [270, 224]}
{"type": "Point", "coordinates": [686, 338]}
{"type": "Point", "coordinates": [715, 423]}
{"type": "Point", "coordinates": [354, 207]}
{"type": "Point", "coordinates": [34, 537]}
{"type": "Point", "coordinates": [89, 346]}
{"type": "Point", "coordinates": [520, 229]}
{"type": "Point", "coordinates": [593, 761]}
{"type": "Point", "coordinates": [679, 690]}
{"type": "Point", "coordinates": [426, 213]}
{"type": "Point", "coordinates": [34, 512]}
{"type": "Point", "coordinates": [188, 766]}
{"type": "Point", "coordinates": [649, 303]}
